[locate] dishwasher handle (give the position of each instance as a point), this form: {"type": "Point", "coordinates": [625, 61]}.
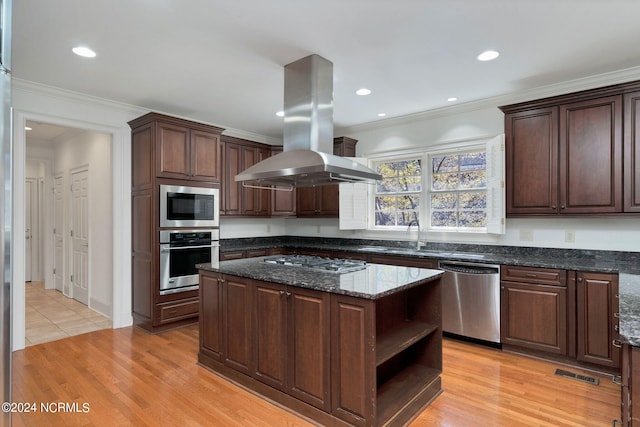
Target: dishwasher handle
{"type": "Point", "coordinates": [469, 268]}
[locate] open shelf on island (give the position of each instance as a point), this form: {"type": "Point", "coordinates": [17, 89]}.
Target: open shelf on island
{"type": "Point", "coordinates": [403, 387]}
{"type": "Point", "coordinates": [394, 341]}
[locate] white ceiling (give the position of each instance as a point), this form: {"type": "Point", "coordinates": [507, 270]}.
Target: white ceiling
{"type": "Point", "coordinates": [222, 61]}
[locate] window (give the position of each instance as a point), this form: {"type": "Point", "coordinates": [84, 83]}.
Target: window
{"type": "Point", "coordinates": [461, 189]}
{"type": "Point", "coordinates": [398, 195]}
{"type": "Point", "coordinates": [458, 190]}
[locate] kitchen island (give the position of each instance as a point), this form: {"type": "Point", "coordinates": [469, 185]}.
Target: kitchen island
{"type": "Point", "coordinates": [362, 347]}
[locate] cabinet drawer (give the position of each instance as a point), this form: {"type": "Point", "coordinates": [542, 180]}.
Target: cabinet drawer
{"type": "Point", "coordinates": [172, 311]}
{"type": "Point", "coordinates": [226, 256]}
{"type": "Point", "coordinates": [403, 261]}
{"type": "Point", "coordinates": [542, 276]}
{"type": "Point", "coordinates": [252, 253]}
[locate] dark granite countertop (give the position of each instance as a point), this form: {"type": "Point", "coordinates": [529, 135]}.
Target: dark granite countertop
{"type": "Point", "coordinates": [375, 281]}
{"type": "Point", "coordinates": [626, 264]}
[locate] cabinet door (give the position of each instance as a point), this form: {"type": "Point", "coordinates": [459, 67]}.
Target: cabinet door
{"type": "Point", "coordinates": [329, 200]}
{"type": "Point", "coordinates": [173, 152]}
{"type": "Point", "coordinates": [353, 387]}
{"type": "Point", "coordinates": [534, 316]}
{"type": "Point", "coordinates": [283, 203]}
{"type": "Point", "coordinates": [142, 152]}
{"type": "Point", "coordinates": [211, 315]}
{"type": "Point", "coordinates": [269, 334]}
{"type": "Point", "coordinates": [309, 376]}
{"type": "Point", "coordinates": [591, 156]}
{"type": "Point", "coordinates": [205, 156]}
{"type": "Point", "coordinates": [532, 161]}
{"type": "Point", "coordinates": [255, 202]}
{"type": "Point", "coordinates": [237, 323]}
{"type": "Point", "coordinates": [632, 152]}
{"type": "Point", "coordinates": [231, 190]}
{"type": "Point", "coordinates": [306, 201]}
{"type": "Point", "coordinates": [597, 311]}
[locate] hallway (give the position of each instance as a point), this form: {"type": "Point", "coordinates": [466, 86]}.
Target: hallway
{"type": "Point", "coordinates": [52, 316]}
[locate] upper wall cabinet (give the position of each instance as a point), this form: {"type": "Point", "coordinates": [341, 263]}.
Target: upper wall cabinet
{"type": "Point", "coordinates": [238, 200]}
{"type": "Point", "coordinates": [567, 155]}
{"type": "Point", "coordinates": [632, 152]}
{"type": "Point", "coordinates": [180, 149]}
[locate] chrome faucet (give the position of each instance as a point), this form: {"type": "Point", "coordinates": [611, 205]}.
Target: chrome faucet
{"type": "Point", "coordinates": [416, 223]}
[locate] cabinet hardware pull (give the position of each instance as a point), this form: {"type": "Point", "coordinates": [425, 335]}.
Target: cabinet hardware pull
{"type": "Point", "coordinates": [288, 294]}
{"type": "Point", "coordinates": [616, 422]}
{"type": "Point", "coordinates": [281, 293]}
{"type": "Point", "coordinates": [616, 315]}
{"type": "Point", "coordinates": [617, 379]}
{"type": "Point", "coordinates": [532, 275]}
{"type": "Point", "coordinates": [616, 343]}
{"type": "Point", "coordinates": [616, 328]}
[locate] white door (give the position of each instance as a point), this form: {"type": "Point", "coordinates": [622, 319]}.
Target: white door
{"type": "Point", "coordinates": [58, 236]}
{"type": "Point", "coordinates": [80, 236]}
{"type": "Point", "coordinates": [28, 229]}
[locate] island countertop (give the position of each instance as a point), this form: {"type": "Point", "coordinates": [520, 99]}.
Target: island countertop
{"type": "Point", "coordinates": [373, 282]}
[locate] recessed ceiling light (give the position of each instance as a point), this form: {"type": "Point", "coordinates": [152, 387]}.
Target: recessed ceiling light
{"type": "Point", "coordinates": [280, 114]}
{"type": "Point", "coordinates": [84, 52]}
{"type": "Point", "coordinates": [382, 114]}
{"type": "Point", "coordinates": [488, 55]}
{"type": "Point", "coordinates": [27, 128]}
{"type": "Point", "coordinates": [453, 98]}
{"type": "Point", "coordinates": [363, 91]}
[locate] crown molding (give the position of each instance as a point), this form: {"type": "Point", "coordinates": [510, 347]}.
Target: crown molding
{"type": "Point", "coordinates": [591, 82]}
{"type": "Point", "coordinates": [133, 110]}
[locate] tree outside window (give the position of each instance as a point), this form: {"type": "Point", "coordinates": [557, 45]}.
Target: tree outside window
{"type": "Point", "coordinates": [397, 198]}
{"type": "Point", "coordinates": [458, 190]}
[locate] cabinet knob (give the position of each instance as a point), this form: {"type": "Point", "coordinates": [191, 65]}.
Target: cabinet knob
{"type": "Point", "coordinates": [553, 207]}
{"type": "Point", "coordinates": [562, 207]}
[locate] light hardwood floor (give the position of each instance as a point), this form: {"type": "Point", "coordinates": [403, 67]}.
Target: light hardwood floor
{"type": "Point", "coordinates": [129, 377]}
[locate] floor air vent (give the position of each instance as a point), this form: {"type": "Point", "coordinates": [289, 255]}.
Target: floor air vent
{"type": "Point", "coordinates": [572, 375]}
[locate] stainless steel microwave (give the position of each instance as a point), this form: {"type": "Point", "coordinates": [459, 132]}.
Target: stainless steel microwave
{"type": "Point", "coordinates": [182, 206]}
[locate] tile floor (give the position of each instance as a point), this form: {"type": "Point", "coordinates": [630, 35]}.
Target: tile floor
{"type": "Point", "coordinates": [51, 316]}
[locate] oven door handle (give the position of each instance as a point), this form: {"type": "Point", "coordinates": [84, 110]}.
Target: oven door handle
{"type": "Point", "coordinates": [176, 248]}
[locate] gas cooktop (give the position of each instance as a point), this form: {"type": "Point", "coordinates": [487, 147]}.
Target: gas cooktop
{"type": "Point", "coordinates": [331, 265]}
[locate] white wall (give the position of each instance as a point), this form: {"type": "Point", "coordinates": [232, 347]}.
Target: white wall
{"type": "Point", "coordinates": [92, 150]}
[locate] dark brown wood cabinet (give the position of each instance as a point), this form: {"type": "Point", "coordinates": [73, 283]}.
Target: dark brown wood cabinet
{"type": "Point", "coordinates": [597, 319]}
{"type": "Point", "coordinates": [630, 390]}
{"type": "Point", "coordinates": [533, 308]}
{"type": "Point", "coordinates": [632, 152]}
{"type": "Point", "coordinates": [164, 150]}
{"type": "Point", "coordinates": [237, 298]}
{"type": "Point", "coordinates": [291, 341]}
{"type": "Point", "coordinates": [564, 157]}
{"type": "Point", "coordinates": [186, 151]}
{"type": "Point", "coordinates": [211, 331]}
{"type": "Point", "coordinates": [324, 201]}
{"type": "Point", "coordinates": [320, 201]}
{"type": "Point", "coordinates": [283, 201]}
{"type": "Point", "coordinates": [338, 359]}
{"type": "Point", "coordinates": [573, 314]}
{"type": "Point", "coordinates": [237, 200]}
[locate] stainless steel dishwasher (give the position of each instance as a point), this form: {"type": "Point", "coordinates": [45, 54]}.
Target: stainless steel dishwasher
{"type": "Point", "coordinates": [471, 300]}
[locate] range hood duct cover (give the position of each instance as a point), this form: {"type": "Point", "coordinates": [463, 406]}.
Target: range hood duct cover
{"type": "Point", "coordinates": [307, 158]}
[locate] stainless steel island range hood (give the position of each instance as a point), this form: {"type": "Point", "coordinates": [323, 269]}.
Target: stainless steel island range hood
{"type": "Point", "coordinates": [306, 159]}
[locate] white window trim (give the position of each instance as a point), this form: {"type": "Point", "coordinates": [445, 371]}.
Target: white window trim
{"type": "Point", "coordinates": [495, 185]}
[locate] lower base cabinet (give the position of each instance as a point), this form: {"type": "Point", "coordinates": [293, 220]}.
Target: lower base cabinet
{"type": "Point", "coordinates": [570, 314]}
{"type": "Point", "coordinates": [337, 359]}
{"type": "Point", "coordinates": [630, 395]}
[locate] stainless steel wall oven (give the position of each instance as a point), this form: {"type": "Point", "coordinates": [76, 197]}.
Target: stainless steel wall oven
{"type": "Point", "coordinates": [180, 251]}
{"type": "Point", "coordinates": [183, 206]}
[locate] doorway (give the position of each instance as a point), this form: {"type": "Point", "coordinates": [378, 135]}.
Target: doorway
{"type": "Point", "coordinates": [73, 165]}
